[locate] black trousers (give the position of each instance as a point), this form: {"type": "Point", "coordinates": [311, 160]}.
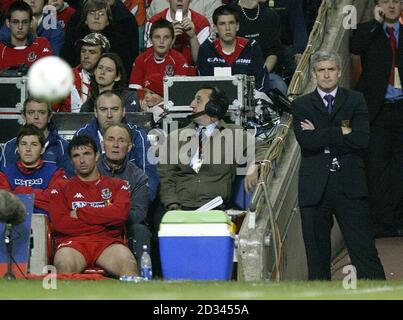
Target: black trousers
{"type": "Point", "coordinates": [353, 219]}
{"type": "Point", "coordinates": [385, 166]}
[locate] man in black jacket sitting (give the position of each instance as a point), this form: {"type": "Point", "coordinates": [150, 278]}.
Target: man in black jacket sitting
{"type": "Point", "coordinates": [117, 142]}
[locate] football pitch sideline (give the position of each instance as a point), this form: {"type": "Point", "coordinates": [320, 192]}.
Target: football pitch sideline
{"type": "Point", "coordinates": [184, 290]}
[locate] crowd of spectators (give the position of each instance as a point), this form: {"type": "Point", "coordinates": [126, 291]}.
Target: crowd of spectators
{"type": "Point", "coordinates": [120, 52]}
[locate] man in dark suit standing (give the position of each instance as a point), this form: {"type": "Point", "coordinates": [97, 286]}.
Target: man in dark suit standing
{"type": "Point", "coordinates": [331, 126]}
{"type": "Point", "coordinates": [379, 43]}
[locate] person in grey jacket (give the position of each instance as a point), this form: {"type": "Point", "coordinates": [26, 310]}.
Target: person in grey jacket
{"type": "Point", "coordinates": [117, 143]}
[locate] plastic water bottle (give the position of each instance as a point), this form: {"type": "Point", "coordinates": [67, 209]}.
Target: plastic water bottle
{"type": "Point", "coordinates": [145, 265]}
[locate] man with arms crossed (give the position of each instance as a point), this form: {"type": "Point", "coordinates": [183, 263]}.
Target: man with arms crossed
{"type": "Point", "coordinates": [88, 213]}
{"type": "Point", "coordinates": [331, 126]}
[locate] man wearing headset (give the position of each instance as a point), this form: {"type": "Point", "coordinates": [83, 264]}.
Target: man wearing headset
{"type": "Point", "coordinates": [209, 155]}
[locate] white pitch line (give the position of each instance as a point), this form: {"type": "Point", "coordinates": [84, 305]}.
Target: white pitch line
{"type": "Point", "coordinates": [313, 294]}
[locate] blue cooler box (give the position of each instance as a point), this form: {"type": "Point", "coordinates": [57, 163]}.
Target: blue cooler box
{"type": "Point", "coordinates": [196, 245]}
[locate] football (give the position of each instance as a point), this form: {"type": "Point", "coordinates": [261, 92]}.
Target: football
{"type": "Point", "coordinates": [50, 79]}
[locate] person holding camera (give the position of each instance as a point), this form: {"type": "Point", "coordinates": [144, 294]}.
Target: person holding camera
{"type": "Point", "coordinates": [191, 28]}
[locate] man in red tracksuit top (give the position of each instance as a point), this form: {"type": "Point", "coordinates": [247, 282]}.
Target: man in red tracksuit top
{"type": "Point", "coordinates": [88, 213]}
{"type": "Point", "coordinates": [22, 47]}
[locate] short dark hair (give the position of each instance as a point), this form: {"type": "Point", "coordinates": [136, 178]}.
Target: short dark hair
{"type": "Point", "coordinates": [217, 97]}
{"type": "Point", "coordinates": [123, 126]}
{"type": "Point", "coordinates": [19, 6]}
{"type": "Point", "coordinates": [31, 99]}
{"type": "Point", "coordinates": [161, 24]}
{"type": "Point", "coordinates": [108, 93]}
{"type": "Point", "coordinates": [225, 10]}
{"type": "Point", "coordinates": [31, 130]}
{"type": "Point", "coordinates": [81, 140]}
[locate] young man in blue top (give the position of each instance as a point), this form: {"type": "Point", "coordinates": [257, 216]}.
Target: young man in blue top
{"type": "Point", "coordinates": [40, 114]}
{"type": "Point", "coordinates": [30, 174]}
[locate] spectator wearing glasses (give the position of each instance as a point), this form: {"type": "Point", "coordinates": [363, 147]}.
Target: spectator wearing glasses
{"type": "Point", "coordinates": [21, 47]}
{"type": "Point", "coordinates": [124, 23]}
{"type": "Point", "coordinates": [96, 16]}
{"type": "Point", "coordinates": [43, 25]}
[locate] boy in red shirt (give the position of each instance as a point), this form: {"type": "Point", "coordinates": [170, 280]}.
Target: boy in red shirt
{"type": "Point", "coordinates": [22, 47]}
{"type": "Point", "coordinates": [88, 213]}
{"type": "Point", "coordinates": [160, 58]}
{"type": "Point", "coordinates": [191, 28]}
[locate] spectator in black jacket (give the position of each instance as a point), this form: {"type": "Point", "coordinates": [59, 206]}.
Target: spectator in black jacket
{"type": "Point", "coordinates": [311, 8]}
{"type": "Point", "coordinates": [96, 16]}
{"type": "Point", "coordinates": [258, 22]}
{"type": "Point", "coordinates": [242, 55]}
{"type": "Point", "coordinates": [123, 22]}
{"type": "Point", "coordinates": [294, 35]}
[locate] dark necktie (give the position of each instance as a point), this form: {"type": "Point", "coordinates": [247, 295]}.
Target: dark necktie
{"type": "Point", "coordinates": [392, 41]}
{"type": "Point", "coordinates": [202, 136]}
{"type": "Point", "coordinates": [329, 99]}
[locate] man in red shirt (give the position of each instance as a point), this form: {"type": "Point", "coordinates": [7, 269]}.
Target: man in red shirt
{"type": "Point", "coordinates": [160, 58]}
{"type": "Point", "coordinates": [191, 28]}
{"type": "Point", "coordinates": [88, 213]}
{"type": "Point", "coordinates": [22, 47]}
{"type": "Point", "coordinates": [93, 45]}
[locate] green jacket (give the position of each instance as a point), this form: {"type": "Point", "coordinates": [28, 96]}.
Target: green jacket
{"type": "Point", "coordinates": [181, 184]}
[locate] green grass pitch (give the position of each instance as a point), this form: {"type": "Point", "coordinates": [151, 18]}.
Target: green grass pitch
{"type": "Point", "coordinates": [183, 290]}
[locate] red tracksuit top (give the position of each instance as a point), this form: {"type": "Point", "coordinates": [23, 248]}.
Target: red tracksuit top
{"type": "Point", "coordinates": [102, 207]}
{"type": "Point", "coordinates": [11, 56]}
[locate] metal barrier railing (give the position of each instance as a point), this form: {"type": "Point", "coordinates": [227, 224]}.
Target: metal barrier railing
{"type": "Point", "coordinates": [326, 33]}
{"type": "Point", "coordinates": [261, 202]}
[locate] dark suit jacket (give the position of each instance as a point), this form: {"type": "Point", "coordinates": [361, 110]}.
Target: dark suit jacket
{"type": "Point", "coordinates": [314, 171]}
{"type": "Point", "coordinates": [372, 44]}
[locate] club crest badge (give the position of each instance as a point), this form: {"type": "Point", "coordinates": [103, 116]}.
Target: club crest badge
{"type": "Point", "coordinates": [169, 70]}
{"type": "Point", "coordinates": [32, 56]}
{"type": "Point", "coordinates": [106, 194]}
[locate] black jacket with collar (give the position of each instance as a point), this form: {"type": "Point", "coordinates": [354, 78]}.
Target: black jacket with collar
{"type": "Point", "coordinates": [315, 164]}
{"type": "Point", "coordinates": [138, 182]}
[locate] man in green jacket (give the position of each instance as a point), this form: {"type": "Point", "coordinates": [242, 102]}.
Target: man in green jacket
{"type": "Point", "coordinates": [209, 154]}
